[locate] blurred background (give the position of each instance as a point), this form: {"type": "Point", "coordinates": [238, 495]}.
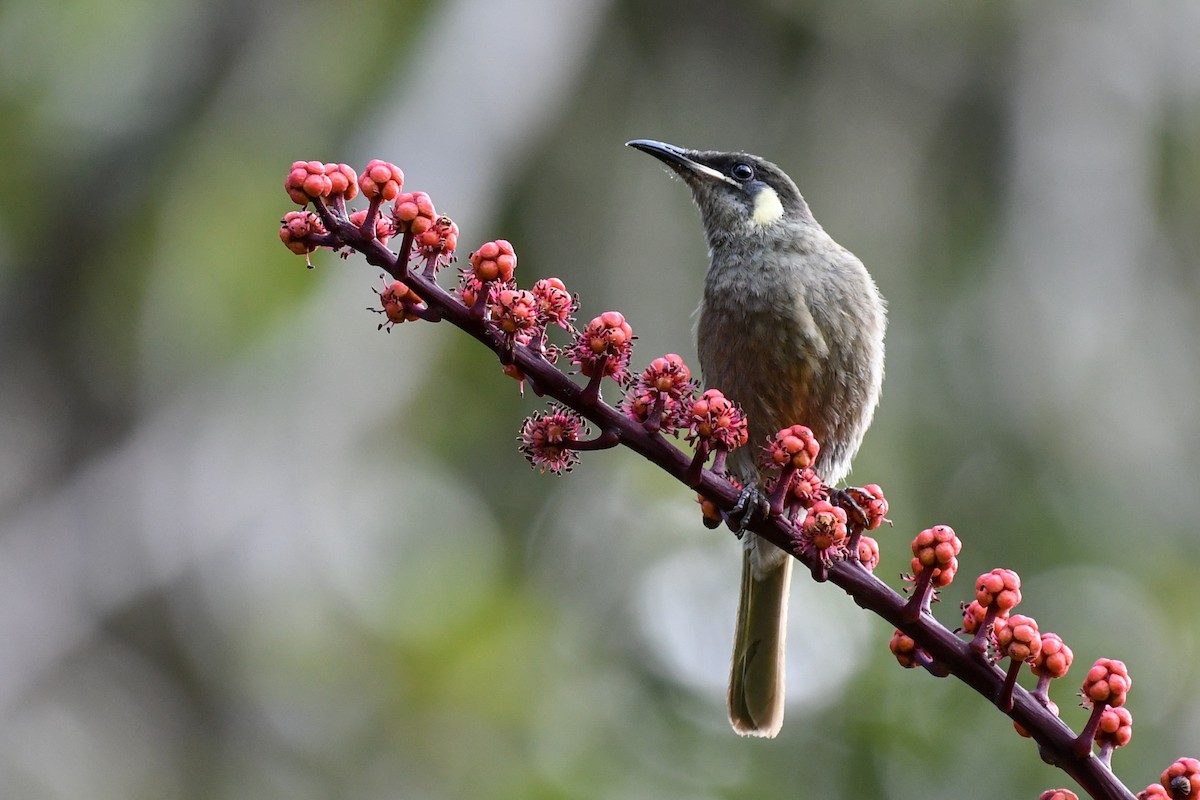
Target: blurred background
{"type": "Point", "coordinates": [252, 547]}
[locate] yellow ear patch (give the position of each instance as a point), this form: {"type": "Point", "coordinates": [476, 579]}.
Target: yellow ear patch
{"type": "Point", "coordinates": [767, 207]}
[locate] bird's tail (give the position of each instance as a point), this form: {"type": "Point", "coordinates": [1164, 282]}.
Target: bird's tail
{"type": "Point", "coordinates": [756, 676]}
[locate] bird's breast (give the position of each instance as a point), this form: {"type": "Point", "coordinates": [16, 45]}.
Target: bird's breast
{"type": "Point", "coordinates": [794, 334]}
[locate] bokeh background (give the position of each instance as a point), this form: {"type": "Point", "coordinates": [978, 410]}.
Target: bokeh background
{"type": "Point", "coordinates": [252, 547]}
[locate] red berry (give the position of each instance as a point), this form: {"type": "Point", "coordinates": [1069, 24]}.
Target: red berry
{"type": "Point", "coordinates": [1055, 657]}
{"type": "Point", "coordinates": [717, 421]}
{"type": "Point", "coordinates": [494, 261]}
{"type": "Point", "coordinates": [413, 212]}
{"type": "Point", "coordinates": [823, 534]}
{"type": "Point", "coordinates": [381, 180]}
{"type": "Point", "coordinates": [1001, 587]}
{"type": "Point", "coordinates": [794, 446]}
{"type": "Point", "coordinates": [343, 181]}
{"type": "Point", "coordinates": [400, 304]}
{"type": "Point", "coordinates": [440, 240]}
{"type": "Point", "coordinates": [515, 312]}
{"type": "Point", "coordinates": [545, 439]}
{"type": "Point", "coordinates": [936, 546]}
{"type": "Point", "coordinates": [1115, 728]}
{"type": "Point", "coordinates": [904, 648]}
{"type": "Point", "coordinates": [1018, 638]}
{"type": "Point", "coordinates": [555, 302]}
{"type": "Point", "coordinates": [606, 340]}
{"type": "Point", "coordinates": [307, 181]}
{"type": "Point", "coordinates": [1107, 682]}
{"type": "Point", "coordinates": [297, 229]}
{"type": "Point", "coordinates": [868, 552]}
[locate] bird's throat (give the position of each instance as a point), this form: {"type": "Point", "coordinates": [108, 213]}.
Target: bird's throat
{"type": "Point", "coordinates": [768, 209]}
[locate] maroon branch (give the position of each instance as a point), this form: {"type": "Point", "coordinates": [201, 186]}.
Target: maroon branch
{"type": "Point", "coordinates": [827, 539]}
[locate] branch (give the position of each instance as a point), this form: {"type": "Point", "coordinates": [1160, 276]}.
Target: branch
{"type": "Point", "coordinates": [829, 540]}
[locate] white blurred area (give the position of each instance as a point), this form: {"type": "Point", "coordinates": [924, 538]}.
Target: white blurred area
{"type": "Point", "coordinates": [300, 564]}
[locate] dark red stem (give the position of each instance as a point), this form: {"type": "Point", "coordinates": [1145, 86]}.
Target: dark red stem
{"type": "Point", "coordinates": [695, 469]}
{"type": "Point", "coordinates": [1083, 742]}
{"type": "Point", "coordinates": [918, 600]}
{"type": "Point", "coordinates": [653, 421]}
{"type": "Point", "coordinates": [719, 456]}
{"type": "Point", "coordinates": [1042, 690]}
{"type": "Point", "coordinates": [591, 393]}
{"type": "Point", "coordinates": [1005, 698]}
{"type": "Point", "coordinates": [780, 489]}
{"type": "Point", "coordinates": [607, 439]}
{"type": "Point", "coordinates": [979, 644]}
{"type": "Point", "coordinates": [367, 229]}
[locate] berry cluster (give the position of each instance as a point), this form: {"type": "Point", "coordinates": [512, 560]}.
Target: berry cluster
{"type": "Point", "coordinates": [660, 399]}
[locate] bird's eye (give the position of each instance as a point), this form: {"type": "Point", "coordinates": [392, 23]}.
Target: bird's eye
{"type": "Point", "coordinates": [742, 171]}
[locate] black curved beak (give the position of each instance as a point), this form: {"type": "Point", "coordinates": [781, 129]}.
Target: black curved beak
{"type": "Point", "coordinates": [678, 159]}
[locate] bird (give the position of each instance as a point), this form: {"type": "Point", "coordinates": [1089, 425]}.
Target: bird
{"type": "Point", "coordinates": [791, 327]}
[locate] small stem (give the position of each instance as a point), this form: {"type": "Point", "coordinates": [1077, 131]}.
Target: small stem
{"type": "Point", "coordinates": [695, 469]}
{"type": "Point", "coordinates": [719, 456]}
{"type": "Point", "coordinates": [979, 644]}
{"type": "Point", "coordinates": [1083, 742]}
{"type": "Point", "coordinates": [608, 438]}
{"type": "Point", "coordinates": [323, 212]}
{"type": "Point", "coordinates": [780, 489]}
{"type": "Point", "coordinates": [590, 396]}
{"type": "Point", "coordinates": [1042, 691]}
{"type": "Point", "coordinates": [339, 206]}
{"type": "Point", "coordinates": [1004, 699]}
{"type": "Point", "coordinates": [538, 345]}
{"type": "Point", "coordinates": [856, 533]}
{"type": "Point", "coordinates": [653, 422]}
{"type": "Point", "coordinates": [918, 601]}
{"type": "Point", "coordinates": [430, 270]}
{"type": "Point", "coordinates": [1105, 754]}
{"type": "Point", "coordinates": [367, 229]}
{"type": "Point", "coordinates": [930, 598]}
{"type": "Point", "coordinates": [404, 255]}
{"type": "Point", "coordinates": [478, 309]}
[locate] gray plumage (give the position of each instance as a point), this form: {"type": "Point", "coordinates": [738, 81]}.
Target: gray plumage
{"type": "Point", "coordinates": [791, 327]}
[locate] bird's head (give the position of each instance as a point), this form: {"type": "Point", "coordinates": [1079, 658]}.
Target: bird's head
{"type": "Point", "coordinates": [737, 193]}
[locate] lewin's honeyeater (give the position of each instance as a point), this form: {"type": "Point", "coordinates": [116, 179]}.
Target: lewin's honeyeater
{"type": "Point", "coordinates": [791, 327]}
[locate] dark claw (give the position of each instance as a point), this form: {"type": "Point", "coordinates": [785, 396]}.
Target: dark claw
{"type": "Point", "coordinates": [845, 500]}
{"type": "Point", "coordinates": [751, 504]}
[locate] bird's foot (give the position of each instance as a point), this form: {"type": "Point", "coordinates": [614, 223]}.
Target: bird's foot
{"type": "Point", "coordinates": [751, 505]}
{"type": "Point", "coordinates": [844, 499]}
